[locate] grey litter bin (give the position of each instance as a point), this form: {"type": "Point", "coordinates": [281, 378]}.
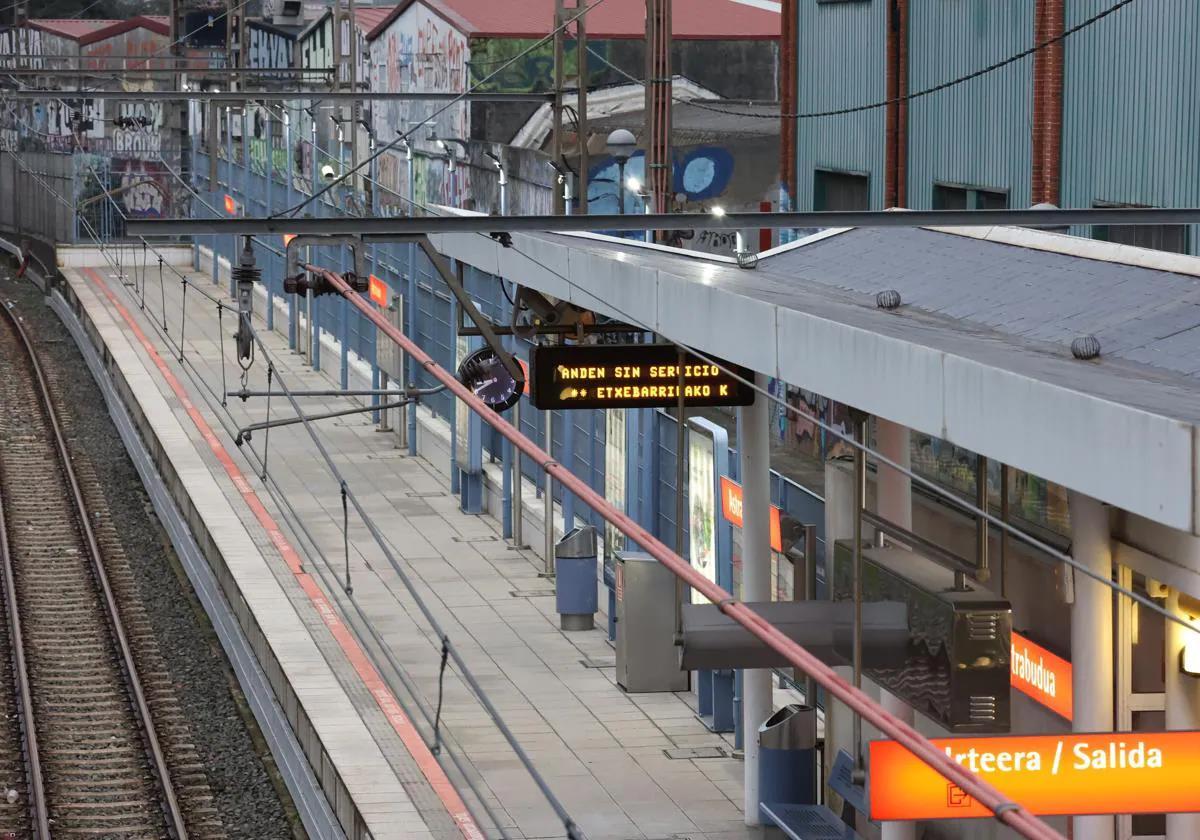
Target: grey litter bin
{"type": "Point", "coordinates": [787, 744]}
{"type": "Point", "coordinates": [575, 568]}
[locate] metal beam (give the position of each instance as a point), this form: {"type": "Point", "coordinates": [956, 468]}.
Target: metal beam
{"type": "Point", "coordinates": [393, 229]}
{"type": "Point", "coordinates": [123, 72]}
{"type": "Point", "coordinates": [273, 96]}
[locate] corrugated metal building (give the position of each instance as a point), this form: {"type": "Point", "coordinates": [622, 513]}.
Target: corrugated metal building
{"type": "Point", "coordinates": [1106, 116]}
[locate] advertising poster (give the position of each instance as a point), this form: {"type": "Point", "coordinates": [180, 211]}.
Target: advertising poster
{"type": "Point", "coordinates": [614, 474]}
{"type": "Point", "coordinates": [702, 508]}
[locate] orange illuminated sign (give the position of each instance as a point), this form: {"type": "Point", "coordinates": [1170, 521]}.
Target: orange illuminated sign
{"type": "Point", "coordinates": [1043, 676]}
{"type": "Point", "coordinates": [287, 239]}
{"type": "Point", "coordinates": [731, 509]}
{"type": "Point", "coordinates": [525, 371]}
{"type": "Point", "coordinates": [1112, 773]}
{"type": "Point", "coordinates": [230, 205]}
{"type": "Point", "coordinates": [378, 291]}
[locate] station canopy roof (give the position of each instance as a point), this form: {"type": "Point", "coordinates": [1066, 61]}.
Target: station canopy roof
{"type": "Point", "coordinates": [978, 353]}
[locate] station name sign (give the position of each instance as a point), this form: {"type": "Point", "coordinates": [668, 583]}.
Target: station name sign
{"type": "Point", "coordinates": [631, 376]}
{"type": "Point", "coordinates": [1109, 773]}
{"type": "Point", "coordinates": [1039, 674]}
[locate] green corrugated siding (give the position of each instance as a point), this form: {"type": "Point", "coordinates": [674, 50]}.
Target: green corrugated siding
{"type": "Point", "coordinates": [1131, 107]}
{"type": "Point", "coordinates": [840, 63]}
{"type": "Point", "coordinates": [976, 133]}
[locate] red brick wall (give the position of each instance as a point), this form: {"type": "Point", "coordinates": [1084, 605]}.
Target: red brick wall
{"type": "Point", "coordinates": [1049, 21]}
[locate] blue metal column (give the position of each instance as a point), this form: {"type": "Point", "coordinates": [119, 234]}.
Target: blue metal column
{"type": "Point", "coordinates": [455, 482]}
{"type": "Point", "coordinates": [411, 306]}
{"type": "Point", "coordinates": [270, 209]}
{"type": "Point", "coordinates": [373, 267]}
{"type": "Point", "coordinates": [233, 192]}
{"type": "Point", "coordinates": [314, 308]}
{"type": "Point", "coordinates": [287, 199]}
{"type": "Point", "coordinates": [568, 460]}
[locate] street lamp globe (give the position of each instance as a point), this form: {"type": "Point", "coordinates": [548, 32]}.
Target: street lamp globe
{"type": "Point", "coordinates": [622, 144]}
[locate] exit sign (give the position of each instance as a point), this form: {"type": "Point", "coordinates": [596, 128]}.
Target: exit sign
{"type": "Point", "coordinates": [632, 376]}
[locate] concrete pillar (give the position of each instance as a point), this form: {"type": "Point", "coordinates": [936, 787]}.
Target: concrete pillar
{"type": "Point", "coordinates": [893, 501]}
{"type": "Point", "coordinates": [1092, 637]}
{"type": "Point", "coordinates": [839, 525]}
{"type": "Point", "coordinates": [1183, 706]}
{"type": "Point", "coordinates": [754, 452]}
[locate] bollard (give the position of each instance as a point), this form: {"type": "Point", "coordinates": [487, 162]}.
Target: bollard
{"type": "Point", "coordinates": [575, 589]}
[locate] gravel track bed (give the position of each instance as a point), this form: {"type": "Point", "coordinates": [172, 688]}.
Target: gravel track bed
{"type": "Point", "coordinates": [220, 766]}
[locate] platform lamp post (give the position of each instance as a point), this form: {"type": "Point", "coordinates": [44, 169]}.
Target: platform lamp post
{"type": "Point", "coordinates": [451, 156]}
{"type": "Point", "coordinates": [562, 177]}
{"type": "Point", "coordinates": [621, 144]}
{"type": "Point", "coordinates": [635, 186]}
{"type": "Point", "coordinates": [503, 182]}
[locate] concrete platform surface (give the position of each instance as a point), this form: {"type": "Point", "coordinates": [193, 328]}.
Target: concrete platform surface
{"type": "Point", "coordinates": [625, 766]}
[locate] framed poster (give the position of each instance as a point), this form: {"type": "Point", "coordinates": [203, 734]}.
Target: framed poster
{"type": "Point", "coordinates": [702, 509]}
{"type": "Point", "coordinates": [614, 474]}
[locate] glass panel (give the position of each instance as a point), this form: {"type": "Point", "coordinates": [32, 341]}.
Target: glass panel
{"type": "Point", "coordinates": [840, 191]}
{"type": "Point", "coordinates": [949, 198]}
{"type": "Point", "coordinates": [1152, 825]}
{"type": "Point", "coordinates": [991, 200]}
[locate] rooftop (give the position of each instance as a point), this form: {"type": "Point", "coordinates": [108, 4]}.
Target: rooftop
{"type": "Point", "coordinates": [90, 31]}
{"type": "Point", "coordinates": [978, 353]}
{"type": "Point", "coordinates": [692, 19]}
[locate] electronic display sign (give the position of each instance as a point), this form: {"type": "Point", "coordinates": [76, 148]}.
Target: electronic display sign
{"type": "Point", "coordinates": [631, 376]}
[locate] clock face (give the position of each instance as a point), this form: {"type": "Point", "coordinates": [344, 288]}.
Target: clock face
{"type": "Point", "coordinates": [488, 379]}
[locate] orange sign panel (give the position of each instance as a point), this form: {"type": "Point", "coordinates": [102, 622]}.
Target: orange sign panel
{"type": "Point", "coordinates": [731, 509]}
{"type": "Point", "coordinates": [525, 372]}
{"type": "Point", "coordinates": [1043, 676]}
{"type": "Point", "coordinates": [230, 205]}
{"type": "Point", "coordinates": [287, 239]}
{"type": "Point", "coordinates": [378, 291]}
{"type": "Point", "coordinates": [1111, 773]}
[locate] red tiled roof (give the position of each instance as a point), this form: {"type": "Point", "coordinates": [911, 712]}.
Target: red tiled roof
{"type": "Point", "coordinates": [71, 27]}
{"type": "Point", "coordinates": [90, 31]}
{"type": "Point", "coordinates": [369, 17]}
{"type": "Point", "coordinates": [728, 20]}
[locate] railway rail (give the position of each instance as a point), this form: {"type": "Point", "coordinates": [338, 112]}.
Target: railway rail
{"type": "Point", "coordinates": [76, 710]}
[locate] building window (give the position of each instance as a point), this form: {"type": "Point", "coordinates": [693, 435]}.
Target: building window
{"type": "Point", "coordinates": [841, 191]}
{"type": "Point", "coordinates": [948, 197]}
{"type": "Point", "coordinates": [1173, 238]}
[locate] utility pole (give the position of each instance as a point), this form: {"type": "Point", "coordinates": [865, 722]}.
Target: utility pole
{"type": "Point", "coordinates": [658, 105]}
{"type": "Point", "coordinates": [562, 14]}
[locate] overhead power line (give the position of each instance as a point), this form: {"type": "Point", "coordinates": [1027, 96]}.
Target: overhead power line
{"type": "Point", "coordinates": [883, 103]}
{"type": "Point", "coordinates": [404, 137]}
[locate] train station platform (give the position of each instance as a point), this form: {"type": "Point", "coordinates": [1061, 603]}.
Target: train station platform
{"type": "Point", "coordinates": [355, 668]}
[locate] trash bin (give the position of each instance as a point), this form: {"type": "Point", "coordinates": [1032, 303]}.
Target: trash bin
{"type": "Point", "coordinates": [575, 573]}
{"type": "Point", "coordinates": [787, 745]}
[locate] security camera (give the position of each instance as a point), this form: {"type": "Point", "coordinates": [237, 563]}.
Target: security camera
{"type": "Point", "coordinates": [327, 172]}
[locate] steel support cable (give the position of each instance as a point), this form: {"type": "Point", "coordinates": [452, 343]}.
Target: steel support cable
{"type": "Point", "coordinates": [391, 144]}
{"type": "Point", "coordinates": [1010, 813]}
{"type": "Point", "coordinates": [463, 669]}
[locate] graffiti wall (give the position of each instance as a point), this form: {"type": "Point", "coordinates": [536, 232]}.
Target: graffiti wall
{"type": "Point", "coordinates": [423, 53]}
{"type": "Point", "coordinates": [267, 47]}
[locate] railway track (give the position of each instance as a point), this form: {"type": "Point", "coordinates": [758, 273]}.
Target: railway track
{"type": "Point", "coordinates": [75, 708]}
